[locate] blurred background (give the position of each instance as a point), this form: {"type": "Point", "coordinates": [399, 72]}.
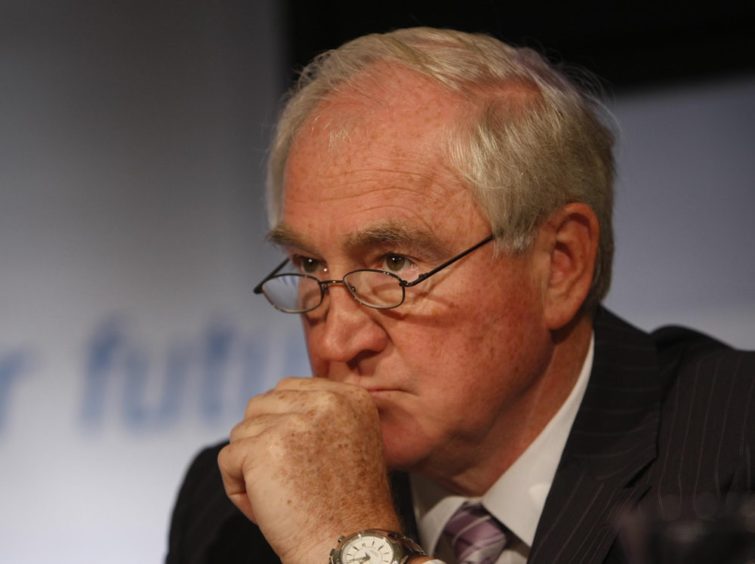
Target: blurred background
{"type": "Point", "coordinates": [133, 136]}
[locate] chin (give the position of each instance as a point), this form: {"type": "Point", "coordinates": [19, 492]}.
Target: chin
{"type": "Point", "coordinates": [400, 462]}
{"type": "Point", "coordinates": [402, 449]}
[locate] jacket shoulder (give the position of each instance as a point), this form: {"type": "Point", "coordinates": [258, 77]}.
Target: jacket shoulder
{"type": "Point", "coordinates": [689, 354]}
{"type": "Point", "coordinates": [708, 424]}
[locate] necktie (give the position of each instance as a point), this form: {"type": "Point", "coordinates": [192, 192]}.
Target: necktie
{"type": "Point", "coordinates": [475, 535]}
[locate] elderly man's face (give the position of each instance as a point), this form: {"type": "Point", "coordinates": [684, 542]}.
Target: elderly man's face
{"type": "Point", "coordinates": [368, 186]}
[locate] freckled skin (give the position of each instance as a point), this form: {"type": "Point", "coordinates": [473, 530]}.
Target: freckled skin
{"type": "Point", "coordinates": [454, 384]}
{"type": "Point", "coordinates": [304, 487]}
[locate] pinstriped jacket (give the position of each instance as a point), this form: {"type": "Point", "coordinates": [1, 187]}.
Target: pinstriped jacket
{"type": "Point", "coordinates": [666, 415]}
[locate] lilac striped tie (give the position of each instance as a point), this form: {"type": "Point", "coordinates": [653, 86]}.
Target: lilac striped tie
{"type": "Point", "coordinates": [475, 535]}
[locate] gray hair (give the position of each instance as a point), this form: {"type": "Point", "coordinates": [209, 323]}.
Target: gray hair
{"type": "Point", "coordinates": [525, 156]}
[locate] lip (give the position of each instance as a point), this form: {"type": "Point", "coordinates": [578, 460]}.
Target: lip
{"type": "Point", "coordinates": [380, 393]}
{"type": "Point", "coordinates": [375, 388]}
{"type": "Point", "coordinates": [379, 390]}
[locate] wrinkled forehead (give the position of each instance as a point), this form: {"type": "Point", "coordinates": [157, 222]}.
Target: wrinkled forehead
{"type": "Point", "coordinates": [382, 99]}
{"type": "Point", "coordinates": [376, 152]}
{"type": "Point", "coordinates": [394, 119]}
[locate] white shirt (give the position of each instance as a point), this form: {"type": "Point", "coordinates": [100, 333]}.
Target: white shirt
{"type": "Point", "coordinates": [517, 498]}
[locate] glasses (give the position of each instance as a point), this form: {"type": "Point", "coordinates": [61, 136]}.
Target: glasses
{"type": "Point", "coordinates": [378, 289]}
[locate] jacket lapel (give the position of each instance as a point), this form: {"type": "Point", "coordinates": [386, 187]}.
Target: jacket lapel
{"type": "Point", "coordinates": [402, 500]}
{"type": "Point", "coordinates": [612, 443]}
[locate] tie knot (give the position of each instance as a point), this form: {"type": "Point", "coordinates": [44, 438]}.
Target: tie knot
{"type": "Point", "coordinates": [475, 535]}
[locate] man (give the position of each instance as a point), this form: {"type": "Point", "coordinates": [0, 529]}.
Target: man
{"type": "Point", "coordinates": [444, 201]}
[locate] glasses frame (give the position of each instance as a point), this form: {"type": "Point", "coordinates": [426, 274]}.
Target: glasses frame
{"type": "Point", "coordinates": [324, 285]}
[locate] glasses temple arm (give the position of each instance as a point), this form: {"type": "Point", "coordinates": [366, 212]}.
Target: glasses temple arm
{"type": "Point", "coordinates": [449, 262]}
{"type": "Point", "coordinates": [258, 287]}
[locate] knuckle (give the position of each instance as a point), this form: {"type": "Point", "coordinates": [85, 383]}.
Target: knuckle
{"type": "Point", "coordinates": [288, 382]}
{"type": "Point", "coordinates": [330, 401]}
{"type": "Point", "coordinates": [250, 406]}
{"type": "Point", "coordinates": [236, 432]}
{"type": "Point", "coordinates": [360, 401]}
{"type": "Point", "coordinates": [223, 457]}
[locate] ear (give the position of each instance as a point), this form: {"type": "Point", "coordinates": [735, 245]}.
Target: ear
{"type": "Point", "coordinates": [570, 238]}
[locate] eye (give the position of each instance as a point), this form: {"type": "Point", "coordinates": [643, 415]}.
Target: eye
{"type": "Point", "coordinates": [396, 263]}
{"type": "Point", "coordinates": [308, 265]}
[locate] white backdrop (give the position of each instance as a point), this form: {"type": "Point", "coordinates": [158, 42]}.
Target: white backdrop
{"type": "Point", "coordinates": [132, 137]}
{"type": "Point", "coordinates": [684, 208]}
{"type": "Point", "coordinates": [131, 233]}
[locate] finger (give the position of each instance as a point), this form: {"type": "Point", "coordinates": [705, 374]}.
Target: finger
{"type": "Point", "coordinates": [233, 461]}
{"type": "Point", "coordinates": [298, 397]}
{"type": "Point", "coordinates": [294, 383]}
{"type": "Point", "coordinates": [273, 401]}
{"type": "Point", "coordinates": [256, 426]}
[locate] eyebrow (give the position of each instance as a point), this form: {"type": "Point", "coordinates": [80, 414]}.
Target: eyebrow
{"type": "Point", "coordinates": [385, 234]}
{"type": "Point", "coordinates": [283, 236]}
{"type": "Point", "coordinates": [394, 234]}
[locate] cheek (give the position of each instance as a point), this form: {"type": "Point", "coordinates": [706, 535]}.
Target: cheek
{"type": "Point", "coordinates": [493, 348]}
{"type": "Point", "coordinates": [314, 361]}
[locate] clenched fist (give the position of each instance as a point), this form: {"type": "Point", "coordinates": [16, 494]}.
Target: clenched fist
{"type": "Point", "coordinates": [306, 464]}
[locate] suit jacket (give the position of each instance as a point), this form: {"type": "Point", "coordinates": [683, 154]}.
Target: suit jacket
{"type": "Point", "coordinates": [667, 419]}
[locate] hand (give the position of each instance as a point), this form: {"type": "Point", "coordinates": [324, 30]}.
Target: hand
{"type": "Point", "coordinates": [306, 464]}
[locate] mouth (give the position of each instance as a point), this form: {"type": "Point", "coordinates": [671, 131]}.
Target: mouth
{"type": "Point", "coordinates": [381, 390]}
{"type": "Point", "coordinates": [378, 394]}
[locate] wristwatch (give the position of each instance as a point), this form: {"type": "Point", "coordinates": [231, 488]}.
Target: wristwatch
{"type": "Point", "coordinates": [375, 546]}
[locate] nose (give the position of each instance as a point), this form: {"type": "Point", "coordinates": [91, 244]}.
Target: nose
{"type": "Point", "coordinates": [341, 330]}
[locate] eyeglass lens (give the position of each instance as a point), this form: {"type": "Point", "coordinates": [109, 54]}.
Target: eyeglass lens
{"type": "Point", "coordinates": [375, 288]}
{"type": "Point", "coordinates": [293, 292]}
{"type": "Point", "coordinates": [298, 293]}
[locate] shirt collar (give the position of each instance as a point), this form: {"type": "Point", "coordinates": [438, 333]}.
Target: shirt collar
{"type": "Point", "coordinates": [517, 498]}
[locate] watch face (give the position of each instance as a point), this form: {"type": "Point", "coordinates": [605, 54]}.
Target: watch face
{"type": "Point", "coordinates": [367, 549]}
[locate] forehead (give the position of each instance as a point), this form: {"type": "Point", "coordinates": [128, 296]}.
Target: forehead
{"type": "Point", "coordinates": [376, 153]}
